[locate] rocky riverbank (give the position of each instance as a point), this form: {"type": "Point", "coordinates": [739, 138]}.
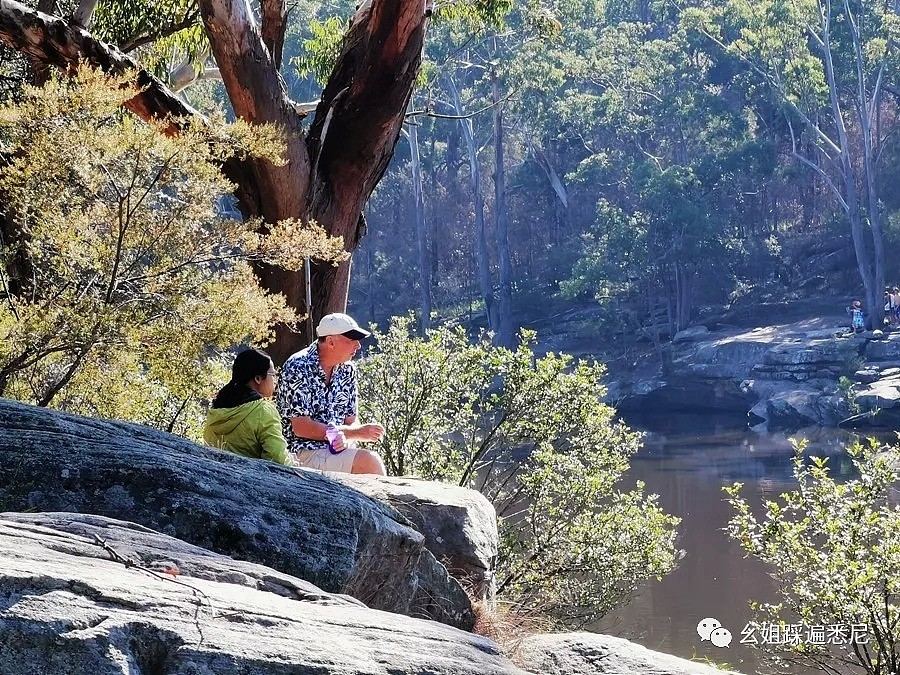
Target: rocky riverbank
{"type": "Point", "coordinates": [151, 555]}
{"type": "Point", "coordinates": [783, 376]}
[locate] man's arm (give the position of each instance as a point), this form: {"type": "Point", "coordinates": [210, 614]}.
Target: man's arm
{"type": "Point", "coordinates": [306, 427]}
{"type": "Point", "coordinates": [355, 431]}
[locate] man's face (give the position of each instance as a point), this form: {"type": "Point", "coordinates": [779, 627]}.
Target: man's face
{"type": "Point", "coordinates": [344, 348]}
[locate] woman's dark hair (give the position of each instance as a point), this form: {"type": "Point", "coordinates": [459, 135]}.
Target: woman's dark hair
{"type": "Point", "coordinates": [248, 364]}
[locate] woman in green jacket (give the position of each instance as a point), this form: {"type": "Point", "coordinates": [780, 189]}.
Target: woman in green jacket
{"type": "Point", "coordinates": [242, 419]}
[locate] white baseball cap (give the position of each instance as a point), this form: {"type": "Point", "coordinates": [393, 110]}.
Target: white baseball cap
{"type": "Point", "coordinates": [340, 324]}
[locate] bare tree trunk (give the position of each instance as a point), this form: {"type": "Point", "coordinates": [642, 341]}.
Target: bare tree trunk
{"type": "Point", "coordinates": [421, 228]}
{"type": "Point", "coordinates": [684, 285]}
{"type": "Point", "coordinates": [505, 331]}
{"type": "Point", "coordinates": [867, 110]}
{"type": "Point", "coordinates": [852, 205]}
{"type": "Point", "coordinates": [481, 246]}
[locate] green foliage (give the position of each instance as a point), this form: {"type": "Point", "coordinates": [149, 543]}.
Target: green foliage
{"type": "Point", "coordinates": [120, 280]}
{"type": "Point", "coordinates": [835, 550]}
{"type": "Point", "coordinates": [532, 435]}
{"type": "Point", "coordinates": [321, 51]}
{"type": "Point", "coordinates": [846, 387]}
{"type": "Point", "coordinates": [158, 29]}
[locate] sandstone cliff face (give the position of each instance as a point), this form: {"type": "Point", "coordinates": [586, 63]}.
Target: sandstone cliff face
{"type": "Point", "coordinates": [785, 375]}
{"type": "Point", "coordinates": [301, 523]}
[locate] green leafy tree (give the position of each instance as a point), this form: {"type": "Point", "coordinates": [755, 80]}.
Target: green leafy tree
{"type": "Point", "coordinates": [834, 548]}
{"type": "Point", "coordinates": [828, 65]}
{"type": "Point", "coordinates": [531, 435]}
{"type": "Point", "coordinates": [133, 281]}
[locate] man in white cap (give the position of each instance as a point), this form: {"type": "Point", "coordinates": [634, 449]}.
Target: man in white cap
{"type": "Point", "coordinates": [317, 399]}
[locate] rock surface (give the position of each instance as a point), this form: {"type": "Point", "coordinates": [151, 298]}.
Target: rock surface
{"type": "Point", "coordinates": [459, 525]}
{"type": "Point", "coordinates": [797, 408]}
{"type": "Point", "coordinates": [689, 334]}
{"type": "Point", "coordinates": [89, 595]}
{"type": "Point", "coordinates": [593, 654]}
{"type": "Point", "coordinates": [879, 395]}
{"type": "Point", "coordinates": [301, 523]}
{"type": "Point", "coordinates": [785, 375]}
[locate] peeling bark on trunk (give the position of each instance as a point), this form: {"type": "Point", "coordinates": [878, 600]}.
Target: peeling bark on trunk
{"type": "Point", "coordinates": [357, 125]}
{"type": "Point", "coordinates": [40, 71]}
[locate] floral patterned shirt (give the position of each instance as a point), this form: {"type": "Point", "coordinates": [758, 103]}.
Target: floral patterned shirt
{"type": "Point", "coordinates": [301, 392]}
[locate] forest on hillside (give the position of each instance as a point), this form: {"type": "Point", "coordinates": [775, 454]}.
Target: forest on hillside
{"type": "Point", "coordinates": [648, 159]}
{"type": "Point", "coordinates": [656, 157]}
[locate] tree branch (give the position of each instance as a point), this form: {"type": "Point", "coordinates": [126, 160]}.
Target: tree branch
{"type": "Point", "coordinates": [84, 14]}
{"type": "Point", "coordinates": [818, 169]}
{"type": "Point", "coordinates": [274, 23]}
{"type": "Point", "coordinates": [190, 19]}
{"type": "Point", "coordinates": [378, 64]}
{"type": "Point", "coordinates": [258, 95]}
{"type": "Point", "coordinates": [51, 40]}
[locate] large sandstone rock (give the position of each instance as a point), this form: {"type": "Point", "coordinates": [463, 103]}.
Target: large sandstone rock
{"type": "Point", "coordinates": [593, 654]}
{"type": "Point", "coordinates": [690, 334]}
{"type": "Point", "coordinates": [89, 595]}
{"type": "Point", "coordinates": [884, 350]}
{"type": "Point", "coordinates": [723, 358]}
{"type": "Point", "coordinates": [797, 408]}
{"type": "Point", "coordinates": [817, 352]}
{"type": "Point", "coordinates": [299, 522]}
{"type": "Point", "coordinates": [879, 395]}
{"type": "Point", "coordinates": [459, 525]}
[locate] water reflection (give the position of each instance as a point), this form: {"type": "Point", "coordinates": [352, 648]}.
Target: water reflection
{"type": "Point", "coordinates": [687, 459]}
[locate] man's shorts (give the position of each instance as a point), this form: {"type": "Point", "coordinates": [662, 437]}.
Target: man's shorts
{"type": "Point", "coordinates": [324, 460]}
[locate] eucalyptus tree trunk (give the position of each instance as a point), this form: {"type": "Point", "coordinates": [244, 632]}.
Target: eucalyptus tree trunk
{"type": "Point", "coordinates": [505, 331]}
{"type": "Point", "coordinates": [481, 246]}
{"type": "Point", "coordinates": [421, 228]}
{"type": "Point", "coordinates": [330, 171]}
{"type": "Point", "coordinates": [872, 275]}
{"type": "Point", "coordinates": [684, 293]}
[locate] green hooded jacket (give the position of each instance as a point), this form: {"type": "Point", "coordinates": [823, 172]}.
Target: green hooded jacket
{"type": "Point", "coordinates": [252, 430]}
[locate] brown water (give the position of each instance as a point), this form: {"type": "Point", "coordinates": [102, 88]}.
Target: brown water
{"type": "Point", "coordinates": [686, 461]}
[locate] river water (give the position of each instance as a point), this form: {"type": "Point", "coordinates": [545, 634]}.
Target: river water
{"type": "Point", "coordinates": [687, 459]}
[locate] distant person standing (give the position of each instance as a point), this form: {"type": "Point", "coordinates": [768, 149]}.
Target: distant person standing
{"type": "Point", "coordinates": [242, 419]}
{"type": "Point", "coordinates": [857, 318]}
{"type": "Point", "coordinates": [317, 397]}
{"type": "Point", "coordinates": [895, 304]}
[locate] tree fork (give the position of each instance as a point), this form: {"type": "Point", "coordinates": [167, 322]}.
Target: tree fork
{"type": "Point", "coordinates": [329, 175]}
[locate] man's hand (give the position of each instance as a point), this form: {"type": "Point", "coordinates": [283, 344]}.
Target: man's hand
{"type": "Point", "coordinates": [340, 442]}
{"type": "Point", "coordinates": [366, 432]}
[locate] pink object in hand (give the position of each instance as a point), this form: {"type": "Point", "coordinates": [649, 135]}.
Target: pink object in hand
{"type": "Point", "coordinates": [332, 433]}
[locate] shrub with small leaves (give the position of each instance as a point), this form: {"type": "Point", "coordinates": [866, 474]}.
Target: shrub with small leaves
{"type": "Point", "coordinates": [532, 435]}
{"type": "Point", "coordinates": [834, 549]}
{"type": "Point", "coordinates": [120, 281]}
